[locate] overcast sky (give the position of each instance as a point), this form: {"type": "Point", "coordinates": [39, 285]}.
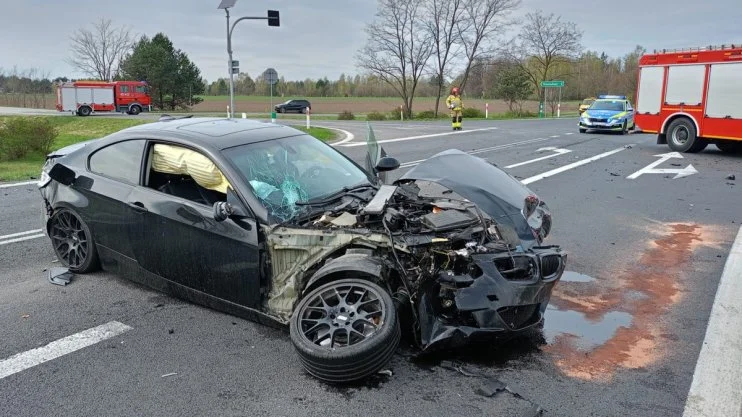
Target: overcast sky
{"type": "Point", "coordinates": [320, 37]}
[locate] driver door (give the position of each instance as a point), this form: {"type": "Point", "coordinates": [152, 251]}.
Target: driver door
{"type": "Point", "coordinates": [177, 237]}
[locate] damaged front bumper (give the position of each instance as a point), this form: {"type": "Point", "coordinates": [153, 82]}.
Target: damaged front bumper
{"type": "Point", "coordinates": [501, 295]}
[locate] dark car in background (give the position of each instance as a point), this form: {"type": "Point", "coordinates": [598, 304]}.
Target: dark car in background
{"type": "Point", "coordinates": [298, 106]}
{"type": "Point", "coordinates": [265, 222]}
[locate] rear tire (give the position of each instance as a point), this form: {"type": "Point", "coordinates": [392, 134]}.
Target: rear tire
{"type": "Point", "coordinates": [730, 146]}
{"type": "Point", "coordinates": [345, 330]}
{"type": "Point", "coordinates": [681, 137]}
{"type": "Point", "coordinates": [84, 111]}
{"type": "Point", "coordinates": [72, 242]}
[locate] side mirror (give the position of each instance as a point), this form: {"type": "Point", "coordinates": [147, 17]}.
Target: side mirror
{"type": "Point", "coordinates": [231, 208]}
{"type": "Point", "coordinates": [222, 210]}
{"type": "Point", "coordinates": [62, 174]}
{"type": "Point", "coordinates": [387, 163]}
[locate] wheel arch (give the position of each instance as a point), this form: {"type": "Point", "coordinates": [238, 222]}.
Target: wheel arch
{"type": "Point", "coordinates": [359, 263]}
{"type": "Point", "coordinates": [678, 115]}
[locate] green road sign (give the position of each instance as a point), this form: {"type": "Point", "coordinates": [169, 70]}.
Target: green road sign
{"type": "Point", "coordinates": [552, 83]}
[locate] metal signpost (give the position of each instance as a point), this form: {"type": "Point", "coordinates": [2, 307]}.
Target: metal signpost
{"type": "Point", "coordinates": [271, 77]}
{"type": "Point", "coordinates": [551, 84]}
{"type": "Point", "coordinates": [234, 66]}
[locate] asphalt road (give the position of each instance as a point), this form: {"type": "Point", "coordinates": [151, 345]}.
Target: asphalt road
{"type": "Point", "coordinates": [621, 338]}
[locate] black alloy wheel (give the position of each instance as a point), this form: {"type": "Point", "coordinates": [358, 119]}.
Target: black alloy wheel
{"type": "Point", "coordinates": [72, 242]}
{"type": "Point", "coordinates": [345, 330]}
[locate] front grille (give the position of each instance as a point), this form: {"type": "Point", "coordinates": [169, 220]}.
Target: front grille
{"type": "Point", "coordinates": [518, 317]}
{"type": "Point", "coordinates": [550, 265]}
{"type": "Point", "coordinates": [594, 120]}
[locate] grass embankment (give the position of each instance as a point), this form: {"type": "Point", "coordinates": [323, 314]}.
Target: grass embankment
{"type": "Point", "coordinates": [78, 129]}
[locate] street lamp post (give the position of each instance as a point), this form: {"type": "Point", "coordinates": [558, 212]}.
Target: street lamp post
{"type": "Point", "coordinates": [273, 20]}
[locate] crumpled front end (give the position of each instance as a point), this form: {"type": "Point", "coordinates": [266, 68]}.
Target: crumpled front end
{"type": "Point", "coordinates": [500, 294]}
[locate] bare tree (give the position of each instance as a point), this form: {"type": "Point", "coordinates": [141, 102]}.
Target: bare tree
{"type": "Point", "coordinates": [443, 22]}
{"type": "Point", "coordinates": [483, 21]}
{"type": "Point", "coordinates": [398, 47]}
{"type": "Point", "coordinates": [99, 51]}
{"type": "Point", "coordinates": [546, 44]}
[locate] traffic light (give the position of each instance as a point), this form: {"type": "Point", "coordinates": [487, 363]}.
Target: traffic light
{"type": "Point", "coordinates": [273, 19]}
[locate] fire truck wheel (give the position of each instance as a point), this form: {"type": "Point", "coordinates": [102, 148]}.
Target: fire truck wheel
{"type": "Point", "coordinates": [135, 110]}
{"type": "Point", "coordinates": [84, 111]}
{"type": "Point", "coordinates": [681, 136]}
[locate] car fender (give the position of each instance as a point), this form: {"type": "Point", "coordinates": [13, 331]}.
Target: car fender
{"type": "Point", "coordinates": [355, 263]}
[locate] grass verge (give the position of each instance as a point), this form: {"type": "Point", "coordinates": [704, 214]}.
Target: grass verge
{"type": "Point", "coordinates": [71, 130]}
{"type": "Point", "coordinates": [326, 135]}
{"type": "Point", "coordinates": [78, 129]}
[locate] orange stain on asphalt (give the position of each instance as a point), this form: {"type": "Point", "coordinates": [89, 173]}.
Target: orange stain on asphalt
{"type": "Point", "coordinates": [646, 289]}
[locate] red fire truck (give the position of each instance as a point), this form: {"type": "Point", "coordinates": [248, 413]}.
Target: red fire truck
{"type": "Point", "coordinates": [86, 97]}
{"type": "Point", "coordinates": [692, 97]}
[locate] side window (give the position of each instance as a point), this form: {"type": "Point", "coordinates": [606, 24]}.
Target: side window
{"type": "Point", "coordinates": [185, 173]}
{"type": "Point", "coordinates": [628, 107]}
{"type": "Point", "coordinates": [120, 161]}
{"type": "Point", "coordinates": [124, 88]}
{"type": "Point", "coordinates": [140, 89]}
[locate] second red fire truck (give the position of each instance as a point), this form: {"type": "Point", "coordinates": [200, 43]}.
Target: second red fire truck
{"type": "Point", "coordinates": [692, 98]}
{"type": "Point", "coordinates": [87, 97]}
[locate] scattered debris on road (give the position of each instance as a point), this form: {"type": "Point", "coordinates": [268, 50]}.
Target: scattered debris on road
{"type": "Point", "coordinates": [59, 276]}
{"type": "Point", "coordinates": [731, 177]}
{"type": "Point", "coordinates": [170, 374]}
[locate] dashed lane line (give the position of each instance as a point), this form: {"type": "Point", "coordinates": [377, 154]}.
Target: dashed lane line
{"type": "Point", "coordinates": [30, 358]}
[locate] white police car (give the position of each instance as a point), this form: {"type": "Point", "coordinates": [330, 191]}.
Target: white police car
{"type": "Point", "coordinates": [608, 113]}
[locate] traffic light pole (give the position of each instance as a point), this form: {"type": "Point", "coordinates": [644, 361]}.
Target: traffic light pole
{"type": "Point", "coordinates": [273, 20]}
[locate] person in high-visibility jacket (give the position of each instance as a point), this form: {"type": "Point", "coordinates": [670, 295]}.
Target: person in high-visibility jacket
{"type": "Point", "coordinates": [456, 105]}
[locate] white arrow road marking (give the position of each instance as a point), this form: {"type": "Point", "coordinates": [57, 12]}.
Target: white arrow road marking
{"type": "Point", "coordinates": [557, 151]}
{"type": "Point", "coordinates": [434, 135]}
{"type": "Point", "coordinates": [650, 169]}
{"type": "Point", "coordinates": [61, 347]}
{"type": "Point", "coordinates": [572, 165]}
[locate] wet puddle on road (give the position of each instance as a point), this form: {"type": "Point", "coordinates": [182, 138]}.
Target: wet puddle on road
{"type": "Point", "coordinates": [586, 334]}
{"type": "Point", "coordinates": [595, 327]}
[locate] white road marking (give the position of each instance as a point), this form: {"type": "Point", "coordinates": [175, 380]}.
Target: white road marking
{"type": "Point", "coordinates": [716, 389]}
{"type": "Point", "coordinates": [558, 151]}
{"type": "Point", "coordinates": [61, 347]}
{"type": "Point", "coordinates": [21, 239]}
{"type": "Point", "coordinates": [433, 135]}
{"type": "Point", "coordinates": [18, 184]}
{"type": "Point", "coordinates": [570, 166]}
{"type": "Point", "coordinates": [348, 136]}
{"type": "Point", "coordinates": [569, 133]}
{"type": "Point", "coordinates": [483, 150]}
{"type": "Point", "coordinates": [27, 232]}
{"type": "Point", "coordinates": [664, 157]}
{"type": "Point", "coordinates": [555, 136]}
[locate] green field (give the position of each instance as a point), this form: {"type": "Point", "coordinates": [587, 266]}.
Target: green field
{"type": "Point", "coordinates": [78, 129]}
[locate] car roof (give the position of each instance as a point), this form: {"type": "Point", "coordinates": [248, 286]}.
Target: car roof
{"type": "Point", "coordinates": [219, 133]}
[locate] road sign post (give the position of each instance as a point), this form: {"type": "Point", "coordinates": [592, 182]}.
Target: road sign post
{"type": "Point", "coordinates": [551, 84]}
{"type": "Point", "coordinates": [271, 77]}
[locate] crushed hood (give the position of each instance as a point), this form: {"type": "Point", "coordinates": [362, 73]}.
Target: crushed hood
{"type": "Point", "coordinates": [493, 190]}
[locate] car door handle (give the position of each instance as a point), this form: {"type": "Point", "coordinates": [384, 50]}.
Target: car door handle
{"type": "Point", "coordinates": [138, 206]}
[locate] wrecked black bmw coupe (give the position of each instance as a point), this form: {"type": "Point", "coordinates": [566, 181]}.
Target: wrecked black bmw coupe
{"type": "Point", "coordinates": [265, 222]}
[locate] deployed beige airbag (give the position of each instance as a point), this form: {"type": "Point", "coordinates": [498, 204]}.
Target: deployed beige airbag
{"type": "Point", "coordinates": [170, 159]}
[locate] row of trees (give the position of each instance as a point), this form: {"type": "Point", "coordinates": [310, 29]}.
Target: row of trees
{"type": "Point", "coordinates": [415, 48]}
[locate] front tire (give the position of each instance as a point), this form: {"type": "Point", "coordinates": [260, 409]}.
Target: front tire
{"type": "Point", "coordinates": [135, 110]}
{"type": "Point", "coordinates": [345, 330]}
{"type": "Point", "coordinates": [72, 242]}
{"type": "Point", "coordinates": [583, 130]}
{"type": "Point", "coordinates": [681, 137]}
